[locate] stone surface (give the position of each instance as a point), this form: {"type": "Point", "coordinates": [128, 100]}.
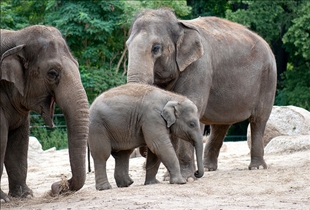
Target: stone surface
{"type": "Point", "coordinates": [135, 153]}
{"type": "Point", "coordinates": [34, 149]}
{"type": "Point", "coordinates": [288, 144]}
{"type": "Point", "coordinates": [34, 145]}
{"type": "Point", "coordinates": [285, 121]}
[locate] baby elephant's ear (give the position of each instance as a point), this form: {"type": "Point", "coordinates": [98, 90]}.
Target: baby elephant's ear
{"type": "Point", "coordinates": [168, 113]}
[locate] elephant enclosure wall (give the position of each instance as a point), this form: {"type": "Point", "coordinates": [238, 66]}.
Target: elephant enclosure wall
{"type": "Point", "coordinates": [284, 185]}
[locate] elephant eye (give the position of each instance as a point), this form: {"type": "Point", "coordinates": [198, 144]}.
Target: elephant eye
{"type": "Point", "coordinates": [53, 74]}
{"type": "Point", "coordinates": [192, 124]}
{"type": "Point", "coordinates": [155, 48]}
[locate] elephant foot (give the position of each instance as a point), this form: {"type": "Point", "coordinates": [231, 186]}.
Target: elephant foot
{"type": "Point", "coordinates": [105, 186]}
{"type": "Point", "coordinates": [187, 175]}
{"type": "Point", "coordinates": [154, 181]}
{"type": "Point", "coordinates": [124, 183]}
{"type": "Point", "coordinates": [257, 163]}
{"type": "Point", "coordinates": [177, 180]}
{"type": "Point", "coordinates": [210, 165]}
{"type": "Point", "coordinates": [4, 196]}
{"type": "Point", "coordinates": [21, 191]}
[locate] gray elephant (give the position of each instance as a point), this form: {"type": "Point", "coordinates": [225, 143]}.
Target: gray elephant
{"type": "Point", "coordinates": [228, 71]}
{"type": "Point", "coordinates": [37, 70]}
{"type": "Point", "coordinates": [134, 115]}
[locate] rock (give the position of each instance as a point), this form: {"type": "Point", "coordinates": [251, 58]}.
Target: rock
{"type": "Point", "coordinates": [288, 144]}
{"type": "Point", "coordinates": [34, 149]}
{"type": "Point", "coordinates": [34, 145]}
{"type": "Point", "coordinates": [285, 121]}
{"type": "Point", "coordinates": [135, 153]}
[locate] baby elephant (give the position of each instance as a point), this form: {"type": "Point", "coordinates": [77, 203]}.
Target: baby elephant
{"type": "Point", "coordinates": [133, 115]}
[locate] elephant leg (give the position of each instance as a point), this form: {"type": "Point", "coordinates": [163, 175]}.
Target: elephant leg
{"type": "Point", "coordinates": [152, 165]}
{"type": "Point", "coordinates": [121, 173]}
{"type": "Point", "coordinates": [257, 146]}
{"type": "Point", "coordinates": [16, 161]}
{"type": "Point", "coordinates": [101, 177]}
{"type": "Point", "coordinates": [3, 144]}
{"type": "Point", "coordinates": [168, 157]}
{"type": "Point", "coordinates": [185, 154]}
{"type": "Point", "coordinates": [100, 149]}
{"type": "Point", "coordinates": [213, 146]}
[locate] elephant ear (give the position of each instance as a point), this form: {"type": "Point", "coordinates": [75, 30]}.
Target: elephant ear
{"type": "Point", "coordinates": [11, 67]}
{"type": "Point", "coordinates": [189, 46]}
{"type": "Point", "coordinates": [169, 113]}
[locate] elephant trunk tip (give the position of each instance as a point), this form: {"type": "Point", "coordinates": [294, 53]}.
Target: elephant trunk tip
{"type": "Point", "coordinates": [199, 174]}
{"type": "Point", "coordinates": [60, 187]}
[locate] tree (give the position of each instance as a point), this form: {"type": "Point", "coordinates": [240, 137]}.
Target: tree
{"type": "Point", "coordinates": [208, 8]}
{"type": "Point", "coordinates": [296, 80]}
{"type": "Point", "coordinates": [17, 14]}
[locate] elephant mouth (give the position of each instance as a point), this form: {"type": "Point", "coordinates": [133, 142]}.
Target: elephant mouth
{"type": "Point", "coordinates": [52, 106]}
{"type": "Point", "coordinates": [166, 83]}
{"type": "Point", "coordinates": [47, 110]}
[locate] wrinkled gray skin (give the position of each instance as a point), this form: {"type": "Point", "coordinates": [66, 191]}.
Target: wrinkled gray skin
{"type": "Point", "coordinates": [228, 71]}
{"type": "Point", "coordinates": [38, 70]}
{"type": "Point", "coordinates": [133, 115]}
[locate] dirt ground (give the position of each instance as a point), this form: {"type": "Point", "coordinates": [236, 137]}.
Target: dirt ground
{"type": "Point", "coordinates": [284, 185]}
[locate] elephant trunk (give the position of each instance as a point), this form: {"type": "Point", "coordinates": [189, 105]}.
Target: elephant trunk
{"type": "Point", "coordinates": [71, 97]}
{"type": "Point", "coordinates": [198, 144]}
{"type": "Point", "coordinates": [140, 72]}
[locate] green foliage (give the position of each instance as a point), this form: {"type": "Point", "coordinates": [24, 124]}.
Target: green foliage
{"type": "Point", "coordinates": [88, 27]}
{"type": "Point", "coordinates": [297, 38]}
{"type": "Point", "coordinates": [295, 87]}
{"type": "Point", "coordinates": [49, 137]}
{"type": "Point", "coordinates": [268, 18]}
{"type": "Point", "coordinates": [208, 8]}
{"type": "Point", "coordinates": [98, 80]}
{"type": "Point", "coordinates": [17, 14]}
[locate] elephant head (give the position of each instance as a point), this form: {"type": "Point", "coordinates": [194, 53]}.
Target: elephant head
{"type": "Point", "coordinates": [160, 47]}
{"type": "Point", "coordinates": [39, 70]}
{"type": "Point", "coordinates": [183, 122]}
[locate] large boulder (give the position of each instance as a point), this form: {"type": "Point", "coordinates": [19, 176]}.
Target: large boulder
{"type": "Point", "coordinates": [285, 121]}
{"type": "Point", "coordinates": [288, 144]}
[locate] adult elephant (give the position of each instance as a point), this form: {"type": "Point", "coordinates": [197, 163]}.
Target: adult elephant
{"type": "Point", "coordinates": [228, 71]}
{"type": "Point", "coordinates": [37, 71]}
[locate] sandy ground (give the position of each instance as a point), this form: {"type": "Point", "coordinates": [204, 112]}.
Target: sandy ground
{"type": "Point", "coordinates": [284, 185]}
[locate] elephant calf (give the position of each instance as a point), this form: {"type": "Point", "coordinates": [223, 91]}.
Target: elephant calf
{"type": "Point", "coordinates": [134, 115]}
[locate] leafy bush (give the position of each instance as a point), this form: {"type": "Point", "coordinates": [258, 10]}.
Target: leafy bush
{"type": "Point", "coordinates": [98, 80]}
{"type": "Point", "coordinates": [295, 87]}
{"type": "Point", "coordinates": [51, 137]}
